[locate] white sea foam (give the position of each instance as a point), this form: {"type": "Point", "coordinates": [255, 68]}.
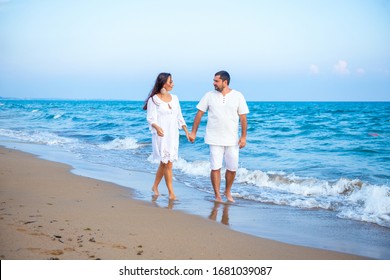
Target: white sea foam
{"type": "Point", "coordinates": [370, 204]}
{"type": "Point", "coordinates": [350, 198]}
{"type": "Point", "coordinates": [295, 184]}
{"type": "Point", "coordinates": [121, 144]}
{"type": "Point", "coordinates": [195, 168]}
{"type": "Point", "coordinates": [39, 137]}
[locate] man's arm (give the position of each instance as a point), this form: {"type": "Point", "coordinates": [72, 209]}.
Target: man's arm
{"type": "Point", "coordinates": [195, 126]}
{"type": "Point", "coordinates": [244, 125]}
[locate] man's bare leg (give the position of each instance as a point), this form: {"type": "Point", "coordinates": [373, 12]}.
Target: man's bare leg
{"type": "Point", "coordinates": [229, 177]}
{"type": "Point", "coordinates": [215, 176]}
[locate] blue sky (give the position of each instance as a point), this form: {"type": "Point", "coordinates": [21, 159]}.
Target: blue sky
{"type": "Point", "coordinates": [276, 50]}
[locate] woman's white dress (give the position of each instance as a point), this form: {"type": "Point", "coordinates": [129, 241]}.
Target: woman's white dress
{"type": "Point", "coordinates": [168, 116]}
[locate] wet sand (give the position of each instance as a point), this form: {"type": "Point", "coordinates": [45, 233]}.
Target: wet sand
{"type": "Point", "coordinates": [47, 212]}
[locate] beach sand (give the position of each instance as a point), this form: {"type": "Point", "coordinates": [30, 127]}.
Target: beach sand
{"type": "Point", "coordinates": [47, 212]}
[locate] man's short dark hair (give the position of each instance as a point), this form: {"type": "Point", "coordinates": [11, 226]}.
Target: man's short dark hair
{"type": "Point", "coordinates": [224, 76]}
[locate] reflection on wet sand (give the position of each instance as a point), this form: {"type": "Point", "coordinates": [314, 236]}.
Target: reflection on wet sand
{"type": "Point", "coordinates": [171, 202]}
{"type": "Point", "coordinates": [225, 212]}
{"type": "Point", "coordinates": [214, 210]}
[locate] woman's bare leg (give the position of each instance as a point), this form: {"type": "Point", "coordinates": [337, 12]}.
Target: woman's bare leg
{"type": "Point", "coordinates": [168, 174]}
{"type": "Point", "coordinates": [157, 180]}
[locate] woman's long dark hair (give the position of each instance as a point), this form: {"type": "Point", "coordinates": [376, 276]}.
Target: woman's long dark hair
{"type": "Point", "coordinates": [162, 78]}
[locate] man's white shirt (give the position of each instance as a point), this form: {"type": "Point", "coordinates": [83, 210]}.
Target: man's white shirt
{"type": "Point", "coordinates": [223, 116]}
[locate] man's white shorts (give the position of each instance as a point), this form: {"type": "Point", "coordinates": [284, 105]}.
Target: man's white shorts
{"type": "Point", "coordinates": [219, 153]}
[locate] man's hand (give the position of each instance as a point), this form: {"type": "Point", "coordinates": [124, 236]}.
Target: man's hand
{"type": "Point", "coordinates": [242, 142]}
{"type": "Point", "coordinates": [192, 137]}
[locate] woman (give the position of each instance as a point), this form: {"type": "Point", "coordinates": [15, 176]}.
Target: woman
{"type": "Point", "coordinates": [165, 119]}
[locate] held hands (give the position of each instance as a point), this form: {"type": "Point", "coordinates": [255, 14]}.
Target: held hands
{"type": "Point", "coordinates": [191, 137]}
{"type": "Point", "coordinates": [188, 135]}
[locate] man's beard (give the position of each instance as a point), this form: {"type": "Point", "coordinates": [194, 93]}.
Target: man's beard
{"type": "Point", "coordinates": [218, 89]}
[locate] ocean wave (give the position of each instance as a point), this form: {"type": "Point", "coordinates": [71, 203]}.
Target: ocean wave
{"type": "Point", "coordinates": [37, 137]}
{"type": "Point", "coordinates": [121, 144]}
{"type": "Point", "coordinates": [195, 168]}
{"type": "Point", "coordinates": [297, 185]}
{"type": "Point", "coordinates": [370, 204]}
{"type": "Point", "coordinates": [104, 126]}
{"type": "Point", "coordinates": [37, 114]}
{"type": "Point", "coordinates": [349, 198]}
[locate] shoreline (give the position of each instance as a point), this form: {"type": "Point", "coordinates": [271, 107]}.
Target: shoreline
{"type": "Point", "coordinates": [49, 213]}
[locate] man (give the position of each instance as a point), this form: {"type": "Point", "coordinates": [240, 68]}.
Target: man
{"type": "Point", "coordinates": [226, 108]}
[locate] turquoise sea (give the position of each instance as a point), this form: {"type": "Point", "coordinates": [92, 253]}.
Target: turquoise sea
{"type": "Point", "coordinates": [312, 173]}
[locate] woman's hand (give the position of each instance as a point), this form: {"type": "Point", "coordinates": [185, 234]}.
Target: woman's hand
{"type": "Point", "coordinates": [188, 136]}
{"type": "Point", "coordinates": [186, 131]}
{"type": "Point", "coordinates": [159, 130]}
{"type": "Point", "coordinates": [191, 137]}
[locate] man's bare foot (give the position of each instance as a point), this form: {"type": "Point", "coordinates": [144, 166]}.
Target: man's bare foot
{"type": "Point", "coordinates": [229, 197]}
{"type": "Point", "coordinates": [218, 199]}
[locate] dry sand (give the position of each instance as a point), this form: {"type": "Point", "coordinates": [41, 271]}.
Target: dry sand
{"type": "Point", "coordinates": [47, 212]}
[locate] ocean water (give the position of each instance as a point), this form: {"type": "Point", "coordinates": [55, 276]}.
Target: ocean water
{"type": "Point", "coordinates": [308, 157]}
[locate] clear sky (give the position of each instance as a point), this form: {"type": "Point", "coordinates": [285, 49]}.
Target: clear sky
{"type": "Point", "coordinates": [298, 50]}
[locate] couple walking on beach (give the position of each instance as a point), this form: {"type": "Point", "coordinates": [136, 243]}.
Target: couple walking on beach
{"type": "Point", "coordinates": [226, 108]}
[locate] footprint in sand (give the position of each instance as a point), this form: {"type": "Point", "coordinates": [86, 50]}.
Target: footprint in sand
{"type": "Point", "coordinates": [117, 246]}
{"type": "Point", "coordinates": [140, 252]}
{"type": "Point", "coordinates": [54, 252]}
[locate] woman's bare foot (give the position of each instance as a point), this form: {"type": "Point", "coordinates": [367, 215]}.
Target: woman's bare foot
{"type": "Point", "coordinates": [172, 196]}
{"type": "Point", "coordinates": [155, 191]}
